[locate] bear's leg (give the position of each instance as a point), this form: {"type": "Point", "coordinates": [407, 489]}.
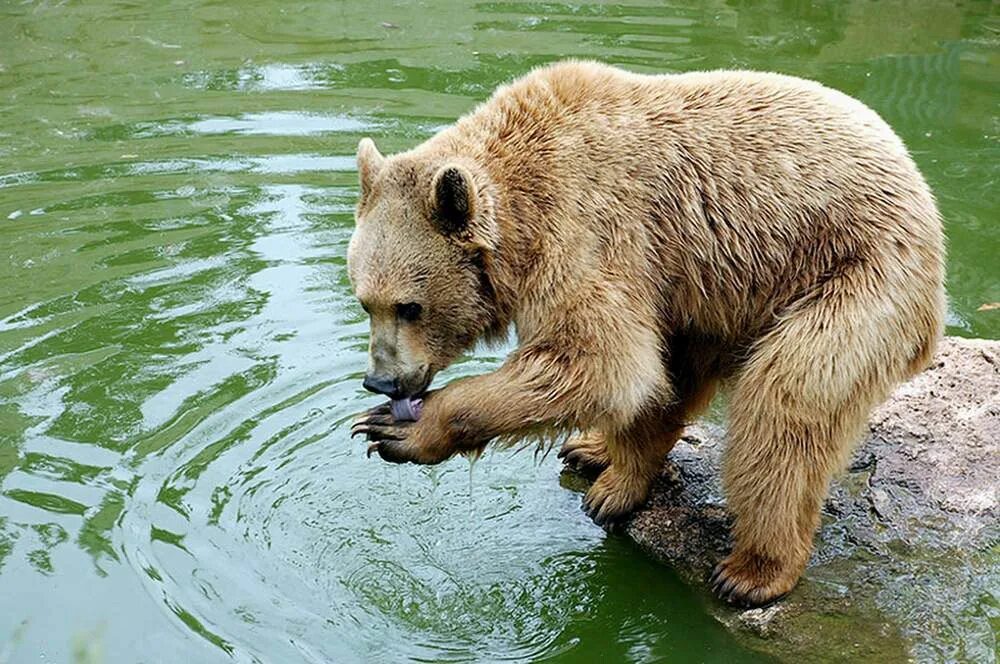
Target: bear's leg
{"type": "Point", "coordinates": [636, 453]}
{"type": "Point", "coordinates": [694, 367]}
{"type": "Point", "coordinates": [796, 408]}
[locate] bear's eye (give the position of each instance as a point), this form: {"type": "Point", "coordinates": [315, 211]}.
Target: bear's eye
{"type": "Point", "coordinates": [409, 311]}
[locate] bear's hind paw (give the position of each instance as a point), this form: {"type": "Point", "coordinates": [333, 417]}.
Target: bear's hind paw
{"type": "Point", "coordinates": [746, 580]}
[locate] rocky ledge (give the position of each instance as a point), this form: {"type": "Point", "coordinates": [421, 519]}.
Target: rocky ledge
{"type": "Point", "coordinates": [907, 561]}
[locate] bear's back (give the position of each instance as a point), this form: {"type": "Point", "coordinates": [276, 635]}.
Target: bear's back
{"type": "Point", "coordinates": [749, 188]}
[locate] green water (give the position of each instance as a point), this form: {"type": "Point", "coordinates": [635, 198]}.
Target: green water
{"type": "Point", "coordinates": [180, 354]}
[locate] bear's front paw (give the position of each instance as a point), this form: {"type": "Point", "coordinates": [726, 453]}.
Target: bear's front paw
{"type": "Point", "coordinates": [395, 441]}
{"type": "Point", "coordinates": [379, 424]}
{"type": "Point", "coordinates": [614, 496]}
{"type": "Point", "coordinates": [396, 451]}
{"type": "Point", "coordinates": [749, 580]}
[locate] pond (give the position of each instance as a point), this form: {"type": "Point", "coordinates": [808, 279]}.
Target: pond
{"type": "Point", "coordinates": [180, 353]}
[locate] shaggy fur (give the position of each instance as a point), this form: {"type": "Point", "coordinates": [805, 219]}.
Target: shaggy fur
{"type": "Point", "coordinates": [653, 237]}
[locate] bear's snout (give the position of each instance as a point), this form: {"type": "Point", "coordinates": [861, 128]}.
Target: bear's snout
{"type": "Point", "coordinates": [382, 385]}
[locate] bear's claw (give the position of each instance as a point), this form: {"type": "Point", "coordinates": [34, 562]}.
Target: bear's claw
{"type": "Point", "coordinates": [585, 454]}
{"type": "Point", "coordinates": [399, 451]}
{"type": "Point", "coordinates": [379, 424]}
{"type": "Point", "coordinates": [611, 500]}
{"type": "Point", "coordinates": [724, 587]}
{"type": "Point", "coordinates": [605, 518]}
{"type": "Point", "coordinates": [387, 451]}
{"type": "Point", "coordinates": [750, 584]}
{"type": "Point", "coordinates": [377, 431]}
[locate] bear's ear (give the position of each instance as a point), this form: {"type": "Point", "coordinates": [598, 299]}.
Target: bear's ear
{"type": "Point", "coordinates": [370, 162]}
{"type": "Point", "coordinates": [453, 199]}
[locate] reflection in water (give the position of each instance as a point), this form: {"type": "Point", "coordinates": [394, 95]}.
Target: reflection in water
{"type": "Point", "coordinates": [180, 353]}
{"type": "Point", "coordinates": [918, 89]}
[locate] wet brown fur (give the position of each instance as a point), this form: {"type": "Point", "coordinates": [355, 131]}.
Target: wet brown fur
{"type": "Point", "coordinates": [652, 237]}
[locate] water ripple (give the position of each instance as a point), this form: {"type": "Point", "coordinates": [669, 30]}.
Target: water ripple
{"type": "Point", "coordinates": [180, 353]}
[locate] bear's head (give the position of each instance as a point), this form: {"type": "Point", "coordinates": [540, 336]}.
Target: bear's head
{"type": "Point", "coordinates": [425, 230]}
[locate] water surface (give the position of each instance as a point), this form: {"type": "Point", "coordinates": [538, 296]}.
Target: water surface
{"type": "Point", "coordinates": [180, 354]}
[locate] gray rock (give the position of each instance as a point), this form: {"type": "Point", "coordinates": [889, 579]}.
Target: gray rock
{"type": "Point", "coordinates": [906, 560]}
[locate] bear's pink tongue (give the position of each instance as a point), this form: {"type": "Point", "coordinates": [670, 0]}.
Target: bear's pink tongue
{"type": "Point", "coordinates": [407, 410]}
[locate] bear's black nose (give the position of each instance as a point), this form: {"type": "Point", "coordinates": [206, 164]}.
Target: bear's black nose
{"type": "Point", "coordinates": [382, 385]}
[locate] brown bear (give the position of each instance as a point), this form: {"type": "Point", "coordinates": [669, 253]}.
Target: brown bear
{"type": "Point", "coordinates": [651, 238]}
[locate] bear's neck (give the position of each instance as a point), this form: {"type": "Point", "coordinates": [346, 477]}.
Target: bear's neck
{"type": "Point", "coordinates": [517, 265]}
{"type": "Point", "coordinates": [516, 269]}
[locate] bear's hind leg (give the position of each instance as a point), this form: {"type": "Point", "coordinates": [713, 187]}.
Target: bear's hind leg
{"type": "Point", "coordinates": [775, 476]}
{"type": "Point", "coordinates": [636, 454]}
{"type": "Point", "coordinates": [796, 408]}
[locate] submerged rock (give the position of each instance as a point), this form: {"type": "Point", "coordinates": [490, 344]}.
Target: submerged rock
{"type": "Point", "coordinates": [907, 560]}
